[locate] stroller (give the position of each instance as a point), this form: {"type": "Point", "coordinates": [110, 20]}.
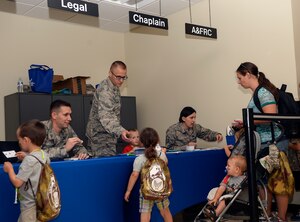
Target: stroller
{"type": "Point", "coordinates": [240, 195]}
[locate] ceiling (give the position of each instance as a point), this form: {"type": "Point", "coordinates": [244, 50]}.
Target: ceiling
{"type": "Point", "coordinates": [113, 14]}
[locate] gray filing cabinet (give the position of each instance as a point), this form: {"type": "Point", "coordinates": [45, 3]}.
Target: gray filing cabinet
{"type": "Point", "coordinates": [20, 107]}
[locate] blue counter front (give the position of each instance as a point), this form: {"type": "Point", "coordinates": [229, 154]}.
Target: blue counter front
{"type": "Point", "coordinates": [92, 190]}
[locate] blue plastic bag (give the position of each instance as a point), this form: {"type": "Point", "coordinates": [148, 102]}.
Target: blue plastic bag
{"type": "Point", "coordinates": [40, 78]}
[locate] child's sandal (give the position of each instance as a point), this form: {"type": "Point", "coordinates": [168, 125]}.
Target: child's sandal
{"type": "Point", "coordinates": [210, 213]}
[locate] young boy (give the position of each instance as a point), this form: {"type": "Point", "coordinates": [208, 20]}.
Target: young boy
{"type": "Point", "coordinates": [31, 136]}
{"type": "Point", "coordinates": [134, 138]}
{"type": "Point", "coordinates": [149, 139]}
{"type": "Point", "coordinates": [239, 146]}
{"type": "Point", "coordinates": [236, 166]}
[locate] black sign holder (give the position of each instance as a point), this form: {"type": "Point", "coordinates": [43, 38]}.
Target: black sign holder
{"type": "Point", "coordinates": [198, 30]}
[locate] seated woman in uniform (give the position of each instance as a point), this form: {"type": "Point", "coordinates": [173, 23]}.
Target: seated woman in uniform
{"type": "Point", "coordinates": [186, 131]}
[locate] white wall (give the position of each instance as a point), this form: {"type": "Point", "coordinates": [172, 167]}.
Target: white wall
{"type": "Point", "coordinates": [70, 49]}
{"type": "Point", "coordinates": [170, 72]}
{"type": "Point", "coordinates": [296, 20]}
{"type": "Point", "coordinates": [166, 73]}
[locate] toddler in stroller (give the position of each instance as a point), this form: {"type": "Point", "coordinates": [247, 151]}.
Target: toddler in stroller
{"type": "Point", "coordinates": [234, 185]}
{"type": "Point", "coordinates": [218, 197]}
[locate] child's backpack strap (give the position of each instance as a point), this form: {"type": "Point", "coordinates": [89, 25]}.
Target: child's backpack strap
{"type": "Point", "coordinates": [31, 187]}
{"type": "Point", "coordinates": [29, 181]}
{"type": "Point", "coordinates": [159, 154]}
{"type": "Point", "coordinates": [37, 159]}
{"type": "Point", "coordinates": [43, 157]}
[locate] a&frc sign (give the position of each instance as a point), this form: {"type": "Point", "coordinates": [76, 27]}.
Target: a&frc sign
{"type": "Point", "coordinates": [202, 31]}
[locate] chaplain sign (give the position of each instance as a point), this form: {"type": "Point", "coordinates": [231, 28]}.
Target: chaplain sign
{"type": "Point", "coordinates": [76, 6]}
{"type": "Point", "coordinates": [148, 20]}
{"type": "Point", "coordinates": [198, 30]}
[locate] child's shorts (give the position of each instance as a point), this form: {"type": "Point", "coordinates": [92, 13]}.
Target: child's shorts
{"type": "Point", "coordinates": [28, 215]}
{"type": "Point", "coordinates": [147, 205]}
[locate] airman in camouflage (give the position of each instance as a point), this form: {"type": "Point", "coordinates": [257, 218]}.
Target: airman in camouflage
{"type": "Point", "coordinates": [104, 127]}
{"type": "Point", "coordinates": [186, 131]}
{"type": "Point", "coordinates": [61, 141]}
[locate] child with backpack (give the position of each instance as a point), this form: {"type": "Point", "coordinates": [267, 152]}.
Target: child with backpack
{"type": "Point", "coordinates": [31, 136]}
{"type": "Point", "coordinates": [156, 183]}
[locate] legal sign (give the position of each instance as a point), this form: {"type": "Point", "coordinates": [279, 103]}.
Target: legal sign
{"type": "Point", "coordinates": [148, 20]}
{"type": "Point", "coordinates": [198, 30]}
{"type": "Point", "coordinates": [77, 6]}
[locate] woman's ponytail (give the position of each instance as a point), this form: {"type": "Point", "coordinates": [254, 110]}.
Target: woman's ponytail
{"type": "Point", "coordinates": [261, 78]}
{"type": "Point", "coordinates": [266, 83]}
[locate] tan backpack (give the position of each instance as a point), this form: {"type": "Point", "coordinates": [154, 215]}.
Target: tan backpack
{"type": "Point", "coordinates": [156, 183]}
{"type": "Point", "coordinates": [48, 202]}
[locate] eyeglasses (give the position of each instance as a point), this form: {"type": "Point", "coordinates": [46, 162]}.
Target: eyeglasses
{"type": "Point", "coordinates": [120, 78]}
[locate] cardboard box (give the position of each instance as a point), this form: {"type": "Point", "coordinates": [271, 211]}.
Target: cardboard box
{"type": "Point", "coordinates": [57, 78]}
{"type": "Point", "coordinates": [76, 84]}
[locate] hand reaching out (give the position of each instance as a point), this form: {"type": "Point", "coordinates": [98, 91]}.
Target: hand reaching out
{"type": "Point", "coordinates": [125, 137]}
{"type": "Point", "coordinates": [213, 202]}
{"type": "Point", "coordinates": [83, 156]}
{"type": "Point", "coordinates": [71, 142]}
{"type": "Point", "coordinates": [7, 167]}
{"type": "Point", "coordinates": [21, 155]}
{"type": "Point", "coordinates": [238, 123]}
{"type": "Point", "coordinates": [192, 144]}
{"type": "Point", "coordinates": [228, 147]}
{"type": "Point", "coordinates": [219, 137]}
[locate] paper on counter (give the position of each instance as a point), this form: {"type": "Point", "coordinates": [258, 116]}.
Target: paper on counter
{"type": "Point", "coordinates": [72, 158]}
{"type": "Point", "coordinates": [209, 148]}
{"type": "Point", "coordinates": [9, 154]}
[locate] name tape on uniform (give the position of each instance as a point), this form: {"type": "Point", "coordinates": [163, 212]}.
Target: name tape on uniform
{"type": "Point", "coordinates": [77, 6]}
{"type": "Point", "coordinates": [148, 20]}
{"type": "Point", "coordinates": [199, 30]}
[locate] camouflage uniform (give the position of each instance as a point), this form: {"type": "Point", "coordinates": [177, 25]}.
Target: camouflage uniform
{"type": "Point", "coordinates": [177, 137]}
{"type": "Point", "coordinates": [54, 144]}
{"type": "Point", "coordinates": [104, 127]}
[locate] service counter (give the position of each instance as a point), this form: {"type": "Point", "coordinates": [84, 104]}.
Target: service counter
{"type": "Point", "coordinates": [93, 190]}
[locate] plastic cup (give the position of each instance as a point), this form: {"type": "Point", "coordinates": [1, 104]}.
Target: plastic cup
{"type": "Point", "coordinates": [190, 148]}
